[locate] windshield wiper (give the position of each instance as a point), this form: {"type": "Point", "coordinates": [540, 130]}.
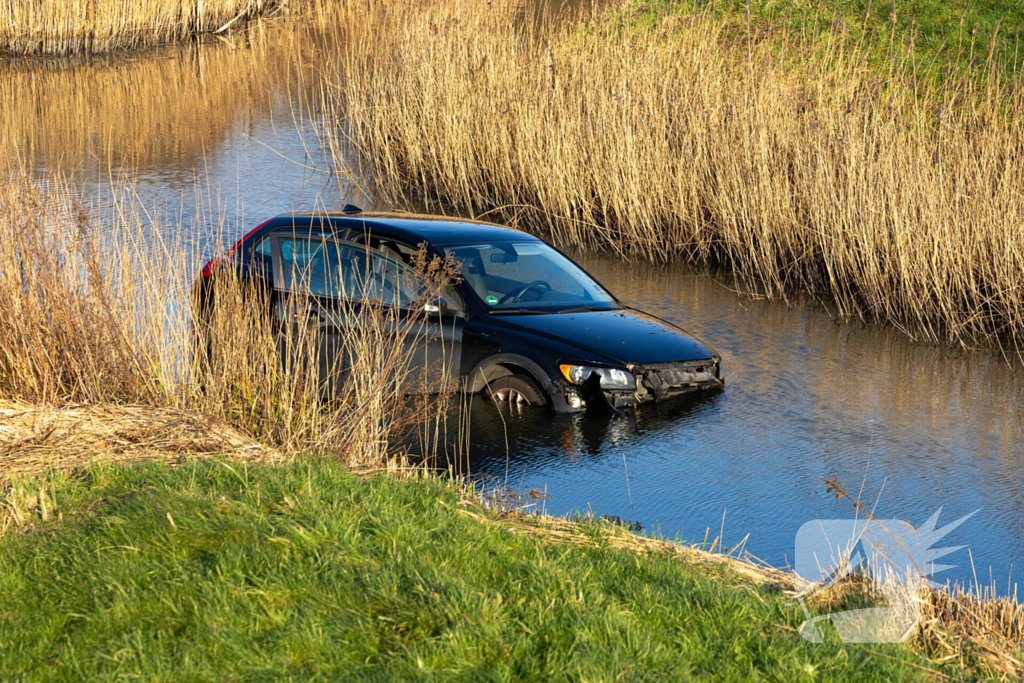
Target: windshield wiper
{"type": "Point", "coordinates": [587, 309]}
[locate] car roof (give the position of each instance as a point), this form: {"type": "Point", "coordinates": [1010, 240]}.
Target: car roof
{"type": "Point", "coordinates": [416, 227]}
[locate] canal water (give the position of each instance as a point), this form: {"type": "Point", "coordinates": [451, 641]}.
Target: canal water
{"type": "Point", "coordinates": [224, 131]}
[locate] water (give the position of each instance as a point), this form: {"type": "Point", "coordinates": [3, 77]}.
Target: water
{"type": "Point", "coordinates": [918, 426]}
{"type": "Point", "coordinates": [208, 131]}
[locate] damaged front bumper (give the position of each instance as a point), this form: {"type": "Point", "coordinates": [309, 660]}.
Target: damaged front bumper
{"type": "Point", "coordinates": [654, 382]}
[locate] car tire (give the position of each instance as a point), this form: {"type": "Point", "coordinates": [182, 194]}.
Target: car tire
{"type": "Point", "coordinates": [515, 389]}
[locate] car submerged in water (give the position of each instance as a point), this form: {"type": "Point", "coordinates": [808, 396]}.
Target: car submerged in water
{"type": "Point", "coordinates": [522, 323]}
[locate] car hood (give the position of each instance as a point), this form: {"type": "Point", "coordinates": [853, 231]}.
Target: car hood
{"type": "Point", "coordinates": [626, 335]}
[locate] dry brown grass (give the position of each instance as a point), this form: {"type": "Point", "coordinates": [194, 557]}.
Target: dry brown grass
{"type": "Point", "coordinates": [34, 439]}
{"type": "Point", "coordinates": [63, 27]}
{"type": "Point", "coordinates": [887, 197]}
{"type": "Point", "coordinates": [958, 624]}
{"type": "Point", "coordinates": [96, 309]}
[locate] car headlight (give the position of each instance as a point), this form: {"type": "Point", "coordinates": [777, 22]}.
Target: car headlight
{"type": "Point", "coordinates": [611, 378]}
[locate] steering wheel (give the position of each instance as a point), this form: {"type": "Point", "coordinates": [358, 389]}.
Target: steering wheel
{"type": "Point", "coordinates": [517, 295]}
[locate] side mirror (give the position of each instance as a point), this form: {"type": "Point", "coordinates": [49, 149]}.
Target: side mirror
{"type": "Point", "coordinates": [438, 308]}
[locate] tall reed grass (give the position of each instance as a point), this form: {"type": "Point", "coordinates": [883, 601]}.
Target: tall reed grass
{"type": "Point", "coordinates": [64, 27]}
{"type": "Point", "coordinates": [97, 307]}
{"type": "Point", "coordinates": [796, 164]}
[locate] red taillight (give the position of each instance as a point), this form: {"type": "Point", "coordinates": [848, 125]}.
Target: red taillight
{"type": "Point", "coordinates": [208, 268]}
{"type": "Point", "coordinates": [212, 263]}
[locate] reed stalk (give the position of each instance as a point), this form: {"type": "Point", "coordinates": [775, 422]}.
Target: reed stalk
{"type": "Point", "coordinates": [67, 27]}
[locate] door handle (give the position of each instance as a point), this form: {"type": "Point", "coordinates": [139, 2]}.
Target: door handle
{"type": "Point", "coordinates": [314, 315]}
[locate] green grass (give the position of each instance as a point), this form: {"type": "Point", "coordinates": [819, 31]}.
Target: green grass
{"type": "Point", "coordinates": [933, 37]}
{"type": "Point", "coordinates": [305, 572]}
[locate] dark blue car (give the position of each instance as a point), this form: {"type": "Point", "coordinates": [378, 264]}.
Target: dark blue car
{"type": "Point", "coordinates": [524, 323]}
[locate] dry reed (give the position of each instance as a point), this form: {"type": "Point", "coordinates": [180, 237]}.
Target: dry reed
{"type": "Point", "coordinates": [98, 310]}
{"type": "Point", "coordinates": [64, 27]}
{"type": "Point", "coordinates": [797, 165]}
{"type": "Point", "coordinates": [958, 623]}
{"type": "Point", "coordinates": [34, 439]}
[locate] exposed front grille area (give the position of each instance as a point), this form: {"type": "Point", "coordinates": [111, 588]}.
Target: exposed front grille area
{"type": "Point", "coordinates": [669, 379]}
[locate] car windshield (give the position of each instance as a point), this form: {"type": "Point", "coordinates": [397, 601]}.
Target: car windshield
{"type": "Point", "coordinates": [527, 276]}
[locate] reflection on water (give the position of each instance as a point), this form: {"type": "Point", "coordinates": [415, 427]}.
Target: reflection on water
{"type": "Point", "coordinates": [215, 131]}
{"type": "Point", "coordinates": [805, 398]}
{"type": "Point", "coordinates": [161, 109]}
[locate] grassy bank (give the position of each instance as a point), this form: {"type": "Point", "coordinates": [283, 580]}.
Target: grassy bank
{"type": "Point", "coordinates": [215, 570]}
{"type": "Point", "coordinates": [63, 27]}
{"type": "Point", "coordinates": [798, 159]}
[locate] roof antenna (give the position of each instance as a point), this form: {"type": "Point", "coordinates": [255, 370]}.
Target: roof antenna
{"type": "Point", "coordinates": [351, 208]}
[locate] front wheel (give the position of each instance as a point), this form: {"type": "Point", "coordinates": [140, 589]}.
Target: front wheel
{"type": "Point", "coordinates": [513, 389]}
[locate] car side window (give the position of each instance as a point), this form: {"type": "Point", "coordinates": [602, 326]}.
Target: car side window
{"type": "Point", "coordinates": [263, 247]}
{"type": "Point", "coordinates": [310, 265]}
{"type": "Point", "coordinates": [369, 275]}
{"type": "Point", "coordinates": [346, 271]}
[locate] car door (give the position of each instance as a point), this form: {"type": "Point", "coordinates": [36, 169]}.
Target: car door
{"type": "Point", "coordinates": [307, 272]}
{"type": "Point", "coordinates": [347, 291]}
{"type": "Point", "coordinates": [431, 343]}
